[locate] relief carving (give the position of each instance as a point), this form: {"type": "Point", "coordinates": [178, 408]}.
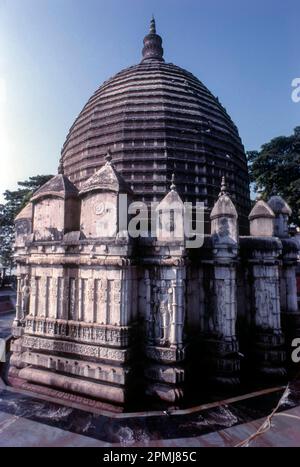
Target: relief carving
{"type": "Point", "coordinates": [38, 343]}
{"type": "Point", "coordinates": [160, 319]}
{"type": "Point", "coordinates": [117, 291]}
{"type": "Point", "coordinates": [25, 296]}
{"type": "Point", "coordinates": [102, 290]}
{"type": "Point", "coordinates": [78, 331]}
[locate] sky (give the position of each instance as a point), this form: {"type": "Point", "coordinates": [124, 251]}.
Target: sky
{"type": "Point", "coordinates": [55, 53]}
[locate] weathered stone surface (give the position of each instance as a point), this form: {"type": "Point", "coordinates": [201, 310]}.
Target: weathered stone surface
{"type": "Point", "coordinates": [261, 220]}
{"type": "Point", "coordinates": [282, 212]}
{"type": "Point", "coordinates": [105, 180]}
{"type": "Point", "coordinates": [23, 225]}
{"type": "Point", "coordinates": [68, 384]}
{"type": "Point", "coordinates": [80, 300]}
{"type": "Point", "coordinates": [170, 218]}
{"type": "Point", "coordinates": [55, 209]}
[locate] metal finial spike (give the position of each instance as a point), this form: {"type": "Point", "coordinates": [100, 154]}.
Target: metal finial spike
{"type": "Point", "coordinates": [152, 26]}
{"type": "Point", "coordinates": [259, 194]}
{"type": "Point", "coordinates": [108, 157]}
{"type": "Point", "coordinates": [223, 184]}
{"type": "Point", "coordinates": [173, 186]}
{"type": "Point", "coordinates": [223, 187]}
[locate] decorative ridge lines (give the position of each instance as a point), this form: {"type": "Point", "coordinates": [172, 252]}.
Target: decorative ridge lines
{"type": "Point", "coordinates": [154, 111]}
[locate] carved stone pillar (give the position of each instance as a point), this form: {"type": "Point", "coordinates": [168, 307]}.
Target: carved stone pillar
{"type": "Point", "coordinates": [34, 296]}
{"type": "Point", "coordinates": [165, 317]}
{"type": "Point", "coordinates": [221, 345]}
{"type": "Point", "coordinates": [178, 309]}
{"type": "Point", "coordinates": [267, 351]}
{"type": "Point", "coordinates": [17, 320]}
{"type": "Point", "coordinates": [148, 308]}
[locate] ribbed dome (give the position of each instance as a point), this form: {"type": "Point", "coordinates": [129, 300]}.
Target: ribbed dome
{"type": "Point", "coordinates": [157, 118]}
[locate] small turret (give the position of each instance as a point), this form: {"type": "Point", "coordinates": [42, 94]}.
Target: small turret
{"type": "Point", "coordinates": [101, 201]}
{"type": "Point", "coordinates": [261, 220]}
{"type": "Point", "coordinates": [170, 216]}
{"type": "Point", "coordinates": [224, 217]}
{"type": "Point", "coordinates": [282, 213]}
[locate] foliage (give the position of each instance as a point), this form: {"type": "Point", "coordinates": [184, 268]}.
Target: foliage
{"type": "Point", "coordinates": [15, 201]}
{"type": "Point", "coordinates": [275, 169]}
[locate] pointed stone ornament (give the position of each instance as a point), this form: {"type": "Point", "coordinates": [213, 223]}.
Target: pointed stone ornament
{"type": "Point", "coordinates": [261, 220]}
{"type": "Point", "coordinates": [282, 213]}
{"type": "Point", "coordinates": [106, 179]}
{"type": "Point", "coordinates": [170, 216]}
{"type": "Point", "coordinates": [108, 157]}
{"type": "Point", "coordinates": [224, 216]}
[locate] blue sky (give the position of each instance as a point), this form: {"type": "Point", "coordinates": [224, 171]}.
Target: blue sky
{"type": "Point", "coordinates": [55, 53]}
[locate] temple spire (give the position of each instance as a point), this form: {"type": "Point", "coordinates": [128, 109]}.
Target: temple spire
{"type": "Point", "coordinates": [152, 49]}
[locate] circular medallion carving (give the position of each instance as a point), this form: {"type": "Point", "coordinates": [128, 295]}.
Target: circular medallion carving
{"type": "Point", "coordinates": [100, 209]}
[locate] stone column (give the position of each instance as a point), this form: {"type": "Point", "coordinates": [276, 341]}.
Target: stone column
{"type": "Point", "coordinates": [268, 356]}
{"type": "Point", "coordinates": [18, 317]}
{"type": "Point", "coordinates": [289, 306]}
{"type": "Point", "coordinates": [148, 308]}
{"type": "Point", "coordinates": [177, 308]}
{"type": "Point", "coordinates": [126, 305]}
{"type": "Point", "coordinates": [263, 250]}
{"type": "Point", "coordinates": [22, 309]}
{"type": "Point", "coordinates": [165, 283]}
{"type": "Point", "coordinates": [222, 344]}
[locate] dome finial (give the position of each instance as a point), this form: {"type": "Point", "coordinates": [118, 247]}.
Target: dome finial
{"type": "Point", "coordinates": [152, 26]}
{"type": "Point", "coordinates": [223, 187]}
{"type": "Point", "coordinates": [153, 44]}
{"type": "Point", "coordinates": [108, 157]}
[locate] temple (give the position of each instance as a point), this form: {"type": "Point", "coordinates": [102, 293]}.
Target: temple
{"type": "Point", "coordinates": [103, 316]}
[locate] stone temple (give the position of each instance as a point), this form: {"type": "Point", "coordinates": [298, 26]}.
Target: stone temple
{"type": "Point", "coordinates": [108, 319]}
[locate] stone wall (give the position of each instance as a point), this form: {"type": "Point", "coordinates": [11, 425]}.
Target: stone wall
{"type": "Point", "coordinates": [107, 317]}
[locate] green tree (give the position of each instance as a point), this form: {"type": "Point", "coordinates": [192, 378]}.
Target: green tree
{"type": "Point", "coordinates": [14, 203]}
{"type": "Point", "coordinates": [275, 169]}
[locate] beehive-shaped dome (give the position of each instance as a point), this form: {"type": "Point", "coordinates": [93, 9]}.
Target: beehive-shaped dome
{"type": "Point", "coordinates": [157, 119]}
